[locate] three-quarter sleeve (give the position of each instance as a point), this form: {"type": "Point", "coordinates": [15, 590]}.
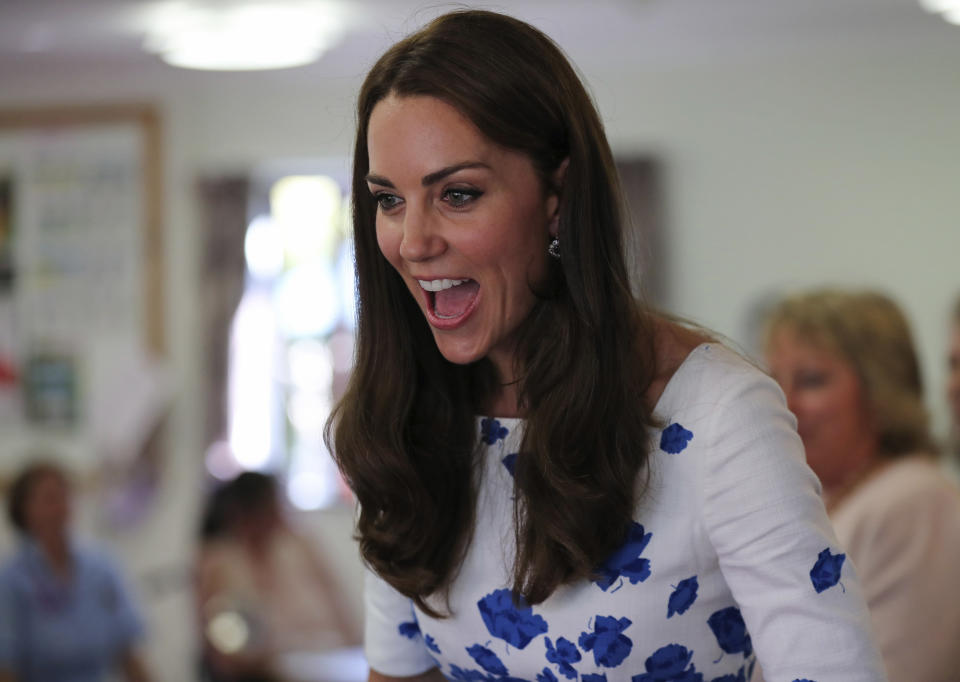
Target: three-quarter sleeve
{"type": "Point", "coordinates": [797, 592]}
{"type": "Point", "coordinates": [393, 642]}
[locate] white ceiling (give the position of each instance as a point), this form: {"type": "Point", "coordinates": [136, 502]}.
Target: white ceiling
{"type": "Point", "coordinates": [38, 37]}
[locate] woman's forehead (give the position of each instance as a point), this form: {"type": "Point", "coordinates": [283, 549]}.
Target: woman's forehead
{"type": "Point", "coordinates": [813, 337]}
{"type": "Point", "coordinates": [420, 121]}
{"type": "Point", "coordinates": [410, 138]}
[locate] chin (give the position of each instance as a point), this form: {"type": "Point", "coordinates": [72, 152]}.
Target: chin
{"type": "Point", "coordinates": [455, 352]}
{"type": "Point", "coordinates": [457, 357]}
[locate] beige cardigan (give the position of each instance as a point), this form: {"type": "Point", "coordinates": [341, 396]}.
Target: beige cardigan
{"type": "Point", "coordinates": [901, 529]}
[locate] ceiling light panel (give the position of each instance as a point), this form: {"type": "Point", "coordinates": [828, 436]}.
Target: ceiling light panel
{"type": "Point", "coordinates": [243, 36]}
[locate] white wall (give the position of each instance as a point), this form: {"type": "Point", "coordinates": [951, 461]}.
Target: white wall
{"type": "Point", "coordinates": [800, 174]}
{"type": "Point", "coordinates": [785, 174]}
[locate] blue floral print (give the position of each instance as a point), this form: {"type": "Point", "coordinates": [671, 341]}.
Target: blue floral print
{"type": "Point", "coordinates": [410, 629]}
{"type": "Point", "coordinates": [491, 431]}
{"type": "Point", "coordinates": [432, 644]}
{"type": "Point", "coordinates": [607, 641]}
{"type": "Point", "coordinates": [487, 660]}
{"type": "Point", "coordinates": [669, 664]}
{"type": "Point", "coordinates": [674, 439]}
{"type": "Point", "coordinates": [547, 676]}
{"type": "Point", "coordinates": [626, 562]}
{"type": "Point", "coordinates": [684, 594]}
{"type": "Point", "coordinates": [458, 673]}
{"type": "Point", "coordinates": [590, 636]}
{"type": "Point", "coordinates": [730, 630]}
{"type": "Point", "coordinates": [563, 655]}
{"type": "Point", "coordinates": [689, 675]}
{"type": "Point", "coordinates": [826, 572]}
{"type": "Point", "coordinates": [514, 624]}
{"type": "Point", "coordinates": [739, 677]}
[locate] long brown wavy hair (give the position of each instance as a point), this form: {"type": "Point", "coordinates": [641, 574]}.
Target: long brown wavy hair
{"type": "Point", "coordinates": [404, 435]}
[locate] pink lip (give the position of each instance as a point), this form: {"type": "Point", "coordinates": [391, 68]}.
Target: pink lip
{"type": "Point", "coordinates": [442, 323]}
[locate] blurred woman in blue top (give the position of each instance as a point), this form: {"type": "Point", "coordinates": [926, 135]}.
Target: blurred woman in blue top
{"type": "Point", "coordinates": [65, 614]}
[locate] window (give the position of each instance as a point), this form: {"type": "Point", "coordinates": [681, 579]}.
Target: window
{"type": "Point", "coordinates": [291, 342]}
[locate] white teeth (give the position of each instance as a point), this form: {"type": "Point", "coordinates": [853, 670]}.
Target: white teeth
{"type": "Point", "coordinates": [440, 284]}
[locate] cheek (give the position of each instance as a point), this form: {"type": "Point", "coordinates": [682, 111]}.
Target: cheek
{"type": "Point", "coordinates": [807, 405]}
{"type": "Point", "coordinates": [389, 242]}
{"type": "Point", "coordinates": [526, 260]}
{"type": "Point", "coordinates": [817, 413]}
{"type": "Point", "coordinates": [844, 416]}
{"type": "Point", "coordinates": [856, 406]}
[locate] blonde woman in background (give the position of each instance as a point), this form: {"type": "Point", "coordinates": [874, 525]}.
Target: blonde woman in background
{"type": "Point", "coordinates": [847, 364]}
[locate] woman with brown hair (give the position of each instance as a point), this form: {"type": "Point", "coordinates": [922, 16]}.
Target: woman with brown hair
{"type": "Point", "coordinates": [258, 575]}
{"type": "Point", "coordinates": [555, 482]}
{"type": "Point", "coordinates": [847, 365]}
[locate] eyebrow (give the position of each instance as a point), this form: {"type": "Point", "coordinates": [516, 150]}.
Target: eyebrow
{"type": "Point", "coordinates": [430, 178]}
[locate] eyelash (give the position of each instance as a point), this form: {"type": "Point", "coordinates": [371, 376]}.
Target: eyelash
{"type": "Point", "coordinates": [467, 196]}
{"type": "Point", "coordinates": [388, 201]}
{"type": "Point", "coordinates": [383, 197]}
{"type": "Point", "coordinates": [812, 379]}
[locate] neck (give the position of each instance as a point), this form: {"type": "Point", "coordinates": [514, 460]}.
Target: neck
{"type": "Point", "coordinates": [504, 404]}
{"type": "Point", "coordinates": [56, 549]}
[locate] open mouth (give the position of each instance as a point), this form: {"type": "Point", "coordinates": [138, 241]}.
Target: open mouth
{"type": "Point", "coordinates": [450, 299]}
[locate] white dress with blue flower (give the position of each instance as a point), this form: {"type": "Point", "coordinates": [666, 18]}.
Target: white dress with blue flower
{"type": "Point", "coordinates": [730, 558]}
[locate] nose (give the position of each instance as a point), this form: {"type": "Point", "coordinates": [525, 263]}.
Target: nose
{"type": "Point", "coordinates": [422, 237]}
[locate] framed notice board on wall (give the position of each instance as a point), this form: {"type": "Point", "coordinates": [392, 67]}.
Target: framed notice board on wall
{"type": "Point", "coordinates": [81, 260]}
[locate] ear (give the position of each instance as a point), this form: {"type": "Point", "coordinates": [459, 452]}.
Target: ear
{"type": "Point", "coordinates": [553, 199]}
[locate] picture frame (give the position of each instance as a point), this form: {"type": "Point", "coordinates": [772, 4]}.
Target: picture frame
{"type": "Point", "coordinates": [56, 162]}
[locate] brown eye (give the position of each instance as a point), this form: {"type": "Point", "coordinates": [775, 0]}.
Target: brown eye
{"type": "Point", "coordinates": [811, 379]}
{"type": "Point", "coordinates": [461, 197]}
{"type": "Point", "coordinates": [387, 201]}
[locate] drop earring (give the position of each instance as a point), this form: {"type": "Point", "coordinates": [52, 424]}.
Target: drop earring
{"type": "Point", "coordinates": [554, 248]}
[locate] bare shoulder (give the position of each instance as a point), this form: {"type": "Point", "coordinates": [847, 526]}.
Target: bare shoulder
{"type": "Point", "coordinates": [432, 675]}
{"type": "Point", "coordinates": [673, 342]}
